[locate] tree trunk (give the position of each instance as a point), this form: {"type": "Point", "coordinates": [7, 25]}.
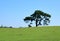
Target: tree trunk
{"type": "Point", "coordinates": [36, 23]}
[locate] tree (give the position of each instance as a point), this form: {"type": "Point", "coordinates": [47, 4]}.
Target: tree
{"type": "Point", "coordinates": [38, 16]}
{"type": "Point", "coordinates": [46, 19]}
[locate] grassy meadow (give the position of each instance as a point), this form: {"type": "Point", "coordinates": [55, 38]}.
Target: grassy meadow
{"type": "Point", "coordinates": [47, 33]}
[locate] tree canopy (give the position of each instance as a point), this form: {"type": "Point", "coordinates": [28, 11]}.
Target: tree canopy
{"type": "Point", "coordinates": [38, 16]}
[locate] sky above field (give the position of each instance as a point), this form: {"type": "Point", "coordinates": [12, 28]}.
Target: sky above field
{"type": "Point", "coordinates": [12, 12]}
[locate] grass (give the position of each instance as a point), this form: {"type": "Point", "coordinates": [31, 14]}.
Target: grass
{"type": "Point", "coordinates": [48, 33]}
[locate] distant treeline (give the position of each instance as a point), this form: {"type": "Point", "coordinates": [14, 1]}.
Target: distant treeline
{"type": "Point", "coordinates": [5, 26]}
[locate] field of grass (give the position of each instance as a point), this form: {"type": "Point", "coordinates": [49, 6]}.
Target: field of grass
{"type": "Point", "coordinates": [51, 33]}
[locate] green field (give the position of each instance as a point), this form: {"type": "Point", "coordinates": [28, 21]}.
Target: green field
{"type": "Point", "coordinates": [50, 33]}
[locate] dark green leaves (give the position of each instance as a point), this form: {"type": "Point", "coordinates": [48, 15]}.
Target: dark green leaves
{"type": "Point", "coordinates": [38, 16]}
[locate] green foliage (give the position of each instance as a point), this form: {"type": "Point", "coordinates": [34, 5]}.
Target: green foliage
{"type": "Point", "coordinates": [5, 26]}
{"type": "Point", "coordinates": [28, 19]}
{"type": "Point", "coordinates": [38, 16]}
{"type": "Point", "coordinates": [47, 33]}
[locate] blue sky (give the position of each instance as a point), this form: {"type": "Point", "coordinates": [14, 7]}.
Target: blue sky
{"type": "Point", "coordinates": [12, 12]}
